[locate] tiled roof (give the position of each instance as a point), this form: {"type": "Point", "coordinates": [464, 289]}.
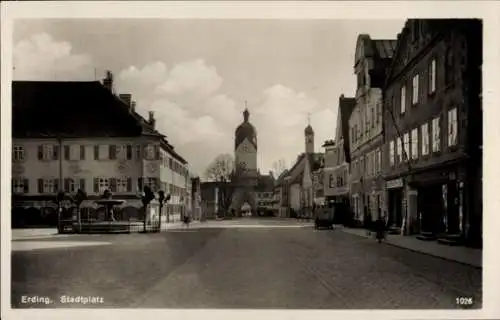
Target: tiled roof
{"type": "Point", "coordinates": [69, 109]}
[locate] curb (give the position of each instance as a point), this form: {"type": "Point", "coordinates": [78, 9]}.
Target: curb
{"type": "Point", "coordinates": [413, 250]}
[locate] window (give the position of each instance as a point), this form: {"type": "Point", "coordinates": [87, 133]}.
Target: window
{"type": "Point", "coordinates": [128, 151]}
{"type": "Point", "coordinates": [123, 184]}
{"type": "Point", "coordinates": [102, 184]}
{"type": "Point", "coordinates": [149, 152]}
{"type": "Point", "coordinates": [399, 150]}
{"type": "Point", "coordinates": [424, 132]}
{"type": "Point", "coordinates": [436, 135]}
{"type": "Point", "coordinates": [48, 185]}
{"type": "Point", "coordinates": [331, 181]}
{"type": "Point", "coordinates": [432, 76]}
{"type": "Point", "coordinates": [20, 185]}
{"type": "Point", "coordinates": [48, 152]}
{"type": "Point", "coordinates": [403, 99]}
{"type": "Point", "coordinates": [414, 96]}
{"type": "Point", "coordinates": [406, 149]}
{"type": "Point", "coordinates": [18, 154]}
{"type": "Point", "coordinates": [72, 152]}
{"type": "Point", "coordinates": [452, 127]}
{"type": "Point", "coordinates": [72, 185]}
{"type": "Point", "coordinates": [414, 144]}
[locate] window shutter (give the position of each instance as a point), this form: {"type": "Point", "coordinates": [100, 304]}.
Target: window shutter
{"type": "Point", "coordinates": [56, 185]}
{"type": "Point", "coordinates": [112, 152]}
{"type": "Point", "coordinates": [129, 152]}
{"type": "Point", "coordinates": [96, 185]}
{"type": "Point", "coordinates": [40, 185]}
{"type": "Point", "coordinates": [129, 184]}
{"type": "Point", "coordinates": [26, 186]}
{"type": "Point", "coordinates": [40, 152]}
{"type": "Point", "coordinates": [82, 152]}
{"type": "Point", "coordinates": [66, 152]}
{"type": "Point", "coordinates": [112, 183]}
{"type": "Point", "coordinates": [56, 152]}
{"type": "Point", "coordinates": [96, 152]}
{"type": "Point", "coordinates": [157, 152]}
{"type": "Point", "coordinates": [66, 185]}
{"type": "Point", "coordinates": [140, 184]}
{"type": "Point", "coordinates": [82, 184]}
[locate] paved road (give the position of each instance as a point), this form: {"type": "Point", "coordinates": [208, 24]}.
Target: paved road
{"type": "Point", "coordinates": [239, 267]}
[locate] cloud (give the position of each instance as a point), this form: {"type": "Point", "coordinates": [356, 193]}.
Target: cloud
{"type": "Point", "coordinates": [191, 108]}
{"type": "Point", "coordinates": [41, 57]}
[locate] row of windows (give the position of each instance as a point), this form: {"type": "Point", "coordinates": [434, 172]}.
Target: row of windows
{"type": "Point", "coordinates": [369, 164]}
{"type": "Point", "coordinates": [50, 152]}
{"type": "Point", "coordinates": [431, 87]}
{"type": "Point", "coordinates": [371, 118]}
{"type": "Point", "coordinates": [408, 147]}
{"type": "Point", "coordinates": [71, 185]}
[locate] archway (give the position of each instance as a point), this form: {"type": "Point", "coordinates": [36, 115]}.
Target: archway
{"type": "Point", "coordinates": [242, 196]}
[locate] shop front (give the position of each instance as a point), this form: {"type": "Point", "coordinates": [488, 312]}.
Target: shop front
{"type": "Point", "coordinates": [440, 201]}
{"type": "Point", "coordinates": [395, 203]}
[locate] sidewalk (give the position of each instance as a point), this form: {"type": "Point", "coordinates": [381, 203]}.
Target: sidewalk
{"type": "Point", "coordinates": [18, 234]}
{"type": "Point", "coordinates": [469, 256]}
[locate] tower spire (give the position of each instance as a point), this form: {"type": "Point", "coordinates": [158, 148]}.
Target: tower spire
{"type": "Point", "coordinates": [308, 118]}
{"type": "Point", "coordinates": [246, 113]}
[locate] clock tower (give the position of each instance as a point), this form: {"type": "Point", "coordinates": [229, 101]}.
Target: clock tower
{"type": "Point", "coordinates": [245, 156]}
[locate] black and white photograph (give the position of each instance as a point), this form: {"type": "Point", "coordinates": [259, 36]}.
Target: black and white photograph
{"type": "Point", "coordinates": [245, 164]}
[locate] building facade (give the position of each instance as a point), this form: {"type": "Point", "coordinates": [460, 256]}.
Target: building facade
{"type": "Point", "coordinates": [297, 194]}
{"type": "Point", "coordinates": [372, 59]}
{"type": "Point", "coordinates": [337, 173]}
{"type": "Point", "coordinates": [433, 125]}
{"type": "Point", "coordinates": [98, 144]}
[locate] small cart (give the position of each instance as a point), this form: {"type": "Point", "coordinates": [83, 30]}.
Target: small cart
{"type": "Point", "coordinates": [323, 217]}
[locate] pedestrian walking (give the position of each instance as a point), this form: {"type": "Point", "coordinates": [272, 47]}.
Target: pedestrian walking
{"type": "Point", "coordinates": [380, 230]}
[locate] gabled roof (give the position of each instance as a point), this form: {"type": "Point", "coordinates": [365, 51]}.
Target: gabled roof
{"type": "Point", "coordinates": [346, 106]}
{"type": "Point", "coordinates": [69, 109]}
{"type": "Point", "coordinates": [315, 163]}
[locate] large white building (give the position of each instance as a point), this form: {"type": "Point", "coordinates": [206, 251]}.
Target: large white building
{"type": "Point", "coordinates": [80, 135]}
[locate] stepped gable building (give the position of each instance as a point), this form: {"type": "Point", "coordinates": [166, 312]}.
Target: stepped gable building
{"type": "Point", "coordinates": [433, 130]}
{"type": "Point", "coordinates": [245, 155]}
{"type": "Point", "coordinates": [366, 183]}
{"type": "Point", "coordinates": [80, 135]}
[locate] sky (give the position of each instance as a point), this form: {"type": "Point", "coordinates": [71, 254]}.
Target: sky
{"type": "Point", "coordinates": [197, 74]}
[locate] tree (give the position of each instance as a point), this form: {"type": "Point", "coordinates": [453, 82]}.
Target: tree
{"type": "Point", "coordinates": [224, 172]}
{"type": "Point", "coordinates": [162, 199]}
{"type": "Point", "coordinates": [146, 199]}
{"type": "Point", "coordinates": [60, 197]}
{"type": "Point", "coordinates": [279, 167]}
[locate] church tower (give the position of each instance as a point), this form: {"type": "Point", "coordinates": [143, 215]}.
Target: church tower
{"type": "Point", "coordinates": [309, 137]}
{"type": "Point", "coordinates": [245, 156]}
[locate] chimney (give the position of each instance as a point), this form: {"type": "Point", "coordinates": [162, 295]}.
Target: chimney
{"type": "Point", "coordinates": [132, 106]}
{"type": "Point", "coordinates": [126, 97]}
{"type": "Point", "coordinates": [108, 81]}
{"type": "Point", "coordinates": [152, 120]}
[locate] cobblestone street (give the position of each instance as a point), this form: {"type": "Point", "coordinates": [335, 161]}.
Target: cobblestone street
{"type": "Point", "coordinates": [284, 265]}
